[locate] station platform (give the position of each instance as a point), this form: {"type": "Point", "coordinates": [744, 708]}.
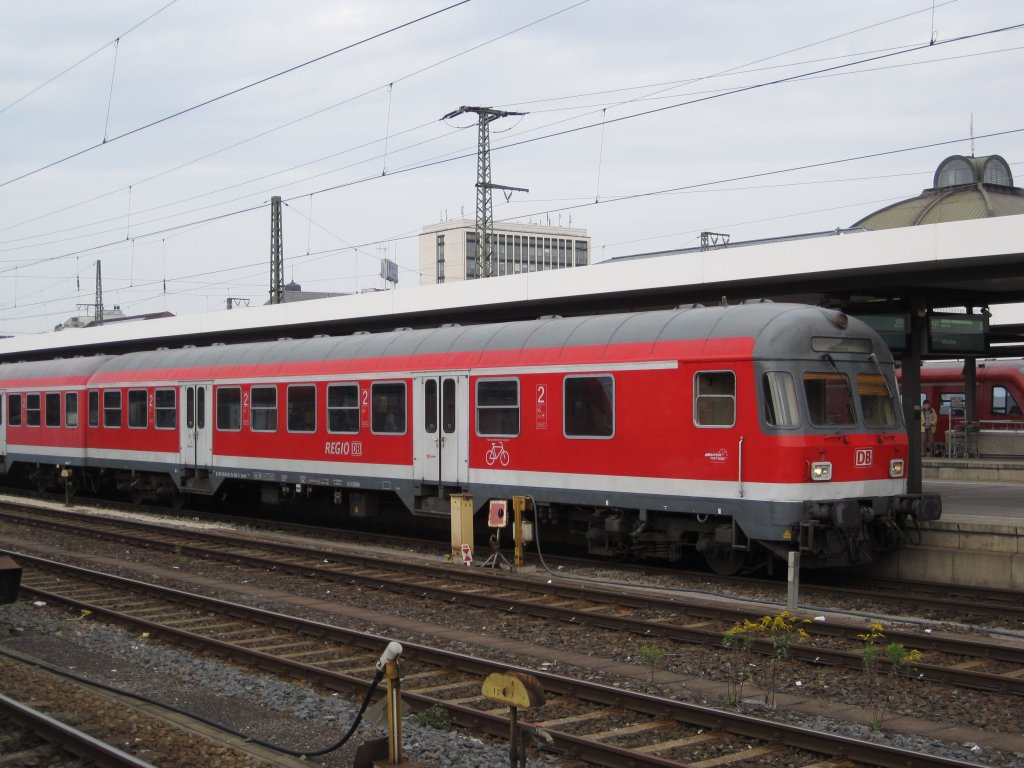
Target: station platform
{"type": "Point", "coordinates": [979, 540]}
{"type": "Point", "coordinates": [979, 470]}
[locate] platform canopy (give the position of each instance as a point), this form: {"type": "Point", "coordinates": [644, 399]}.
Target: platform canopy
{"type": "Point", "coordinates": [967, 265]}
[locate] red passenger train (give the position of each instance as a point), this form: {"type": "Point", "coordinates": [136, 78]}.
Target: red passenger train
{"type": "Point", "coordinates": [741, 432]}
{"type": "Point", "coordinates": [999, 395]}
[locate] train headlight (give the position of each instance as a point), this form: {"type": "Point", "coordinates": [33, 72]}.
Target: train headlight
{"type": "Point", "coordinates": [897, 467]}
{"type": "Point", "coordinates": [821, 470]}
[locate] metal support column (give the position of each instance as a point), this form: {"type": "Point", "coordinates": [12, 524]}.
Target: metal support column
{"type": "Point", "coordinates": [98, 309]}
{"type": "Point", "coordinates": [912, 392]}
{"type": "Point", "coordinates": [485, 266]}
{"type": "Point", "coordinates": [276, 252]}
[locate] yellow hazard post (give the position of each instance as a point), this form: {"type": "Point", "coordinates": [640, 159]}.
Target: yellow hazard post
{"type": "Point", "coordinates": [515, 690]}
{"type": "Point", "coordinates": [388, 664]}
{"type": "Point", "coordinates": [462, 528]}
{"type": "Point", "coordinates": [522, 530]}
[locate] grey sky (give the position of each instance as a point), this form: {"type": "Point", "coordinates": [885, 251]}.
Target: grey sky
{"type": "Point", "coordinates": [356, 145]}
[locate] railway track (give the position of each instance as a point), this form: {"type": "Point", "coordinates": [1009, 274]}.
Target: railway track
{"type": "Point", "coordinates": [31, 737]}
{"type": "Point", "coordinates": [975, 606]}
{"type": "Point", "coordinates": [600, 724]}
{"type": "Point", "coordinates": [989, 664]}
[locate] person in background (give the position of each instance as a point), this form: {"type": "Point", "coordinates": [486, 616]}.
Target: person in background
{"type": "Point", "coordinates": [929, 419]}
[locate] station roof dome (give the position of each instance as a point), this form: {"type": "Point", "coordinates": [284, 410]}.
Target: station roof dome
{"type": "Point", "coordinates": [963, 188]}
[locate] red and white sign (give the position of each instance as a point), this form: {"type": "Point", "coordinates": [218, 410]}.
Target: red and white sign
{"type": "Point", "coordinates": [467, 554]}
{"type": "Point", "coordinates": [864, 457]}
{"type": "Point", "coordinates": [542, 406]}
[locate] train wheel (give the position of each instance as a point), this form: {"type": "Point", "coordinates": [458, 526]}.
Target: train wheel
{"type": "Point", "coordinates": [726, 562]}
{"type": "Point", "coordinates": [178, 500]}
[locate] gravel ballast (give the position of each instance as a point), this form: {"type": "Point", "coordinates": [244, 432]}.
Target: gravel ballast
{"type": "Point", "coordinates": [258, 705]}
{"type": "Point", "coordinates": [303, 718]}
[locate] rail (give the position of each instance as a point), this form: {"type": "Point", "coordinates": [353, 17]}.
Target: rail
{"type": "Point", "coordinates": [71, 739]}
{"type": "Point", "coordinates": [653, 714]}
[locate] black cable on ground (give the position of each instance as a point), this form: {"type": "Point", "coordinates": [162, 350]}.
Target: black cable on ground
{"type": "Point", "coordinates": [378, 676]}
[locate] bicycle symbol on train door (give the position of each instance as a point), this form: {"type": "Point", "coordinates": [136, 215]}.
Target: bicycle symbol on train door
{"type": "Point", "coordinates": [497, 453]}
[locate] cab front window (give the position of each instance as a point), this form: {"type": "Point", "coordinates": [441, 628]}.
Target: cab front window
{"type": "Point", "coordinates": [875, 400]}
{"type": "Point", "coordinates": [829, 399]}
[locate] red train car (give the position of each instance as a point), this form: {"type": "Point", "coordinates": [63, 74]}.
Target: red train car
{"type": "Point", "coordinates": [999, 396]}
{"type": "Point", "coordinates": [740, 432]}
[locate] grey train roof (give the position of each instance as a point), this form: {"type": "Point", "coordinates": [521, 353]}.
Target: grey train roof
{"type": "Point", "coordinates": [778, 330]}
{"type": "Point", "coordinates": [46, 369]}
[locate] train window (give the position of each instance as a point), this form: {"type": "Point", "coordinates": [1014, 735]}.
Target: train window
{"type": "Point", "coordinates": [714, 399]}
{"type": "Point", "coordinates": [1003, 403]}
{"type": "Point", "coordinates": [112, 408]}
{"type": "Point", "coordinates": [497, 407]}
{"type": "Point", "coordinates": [951, 404]}
{"type": "Point", "coordinates": [138, 414]}
{"type": "Point", "coordinates": [302, 408]}
{"type": "Point", "coordinates": [14, 410]}
{"type": "Point", "coordinates": [263, 409]}
{"type": "Point", "coordinates": [200, 407]}
{"type": "Point", "coordinates": [388, 407]}
{"type": "Point", "coordinates": [875, 400]}
{"type": "Point", "coordinates": [94, 408]}
{"type": "Point", "coordinates": [190, 408]}
{"type": "Point", "coordinates": [589, 406]}
{"type": "Point", "coordinates": [32, 410]}
{"type": "Point", "coordinates": [829, 399]}
{"type": "Point", "coordinates": [780, 405]}
{"type": "Point", "coordinates": [448, 406]}
{"type": "Point", "coordinates": [71, 409]}
{"type": "Point", "coordinates": [343, 408]}
{"type": "Point", "coordinates": [229, 409]}
{"type": "Point", "coordinates": [430, 406]}
{"type": "Point", "coordinates": [165, 402]}
{"type": "Point", "coordinates": [52, 409]}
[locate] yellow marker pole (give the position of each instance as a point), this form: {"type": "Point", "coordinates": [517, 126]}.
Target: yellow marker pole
{"type": "Point", "coordinates": [518, 507]}
{"type": "Point", "coordinates": [394, 713]}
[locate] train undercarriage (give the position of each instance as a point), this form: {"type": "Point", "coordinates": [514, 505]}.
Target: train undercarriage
{"type": "Point", "coordinates": [839, 533]}
{"type": "Point", "coordinates": [836, 533]}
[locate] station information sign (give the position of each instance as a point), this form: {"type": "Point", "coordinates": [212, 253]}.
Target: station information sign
{"type": "Point", "coordinates": [894, 329]}
{"type": "Point", "coordinates": [957, 335]}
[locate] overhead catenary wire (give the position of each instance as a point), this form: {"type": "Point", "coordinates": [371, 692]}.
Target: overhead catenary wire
{"type": "Point", "coordinates": [259, 267]}
{"type": "Point", "coordinates": [387, 131]}
{"type": "Point", "coordinates": [745, 68]}
{"type": "Point", "coordinates": [228, 94]}
{"type": "Point", "coordinates": [655, 192]}
{"type": "Point", "coordinates": [732, 69]}
{"type": "Point", "coordinates": [86, 58]}
{"type": "Point", "coordinates": [316, 113]}
{"type": "Point", "coordinates": [28, 238]}
{"type": "Point", "coordinates": [110, 96]}
{"type": "Point", "coordinates": [662, 95]}
{"type": "Point", "coordinates": [690, 102]}
{"type": "Point", "coordinates": [605, 201]}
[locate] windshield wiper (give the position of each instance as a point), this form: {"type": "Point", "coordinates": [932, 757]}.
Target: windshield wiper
{"type": "Point", "coordinates": [878, 367]}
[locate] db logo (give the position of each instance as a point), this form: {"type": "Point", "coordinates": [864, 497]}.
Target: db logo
{"type": "Point", "coordinates": [864, 457]}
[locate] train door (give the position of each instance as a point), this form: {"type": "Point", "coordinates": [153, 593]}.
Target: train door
{"type": "Point", "coordinates": [197, 424]}
{"type": "Point", "coordinates": [441, 429]}
{"type": "Point", "coordinates": [3, 424]}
